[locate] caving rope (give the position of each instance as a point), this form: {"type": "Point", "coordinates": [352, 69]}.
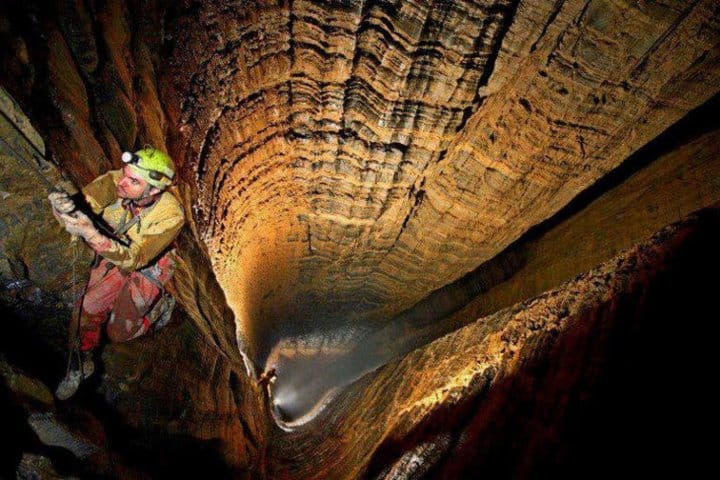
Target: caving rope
{"type": "Point", "coordinates": [38, 155]}
{"type": "Point", "coordinates": [75, 346]}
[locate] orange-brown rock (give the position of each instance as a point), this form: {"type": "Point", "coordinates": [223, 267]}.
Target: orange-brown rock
{"type": "Point", "coordinates": [351, 158]}
{"type": "Point", "coordinates": [522, 375]}
{"type": "Point", "coordinates": [344, 165]}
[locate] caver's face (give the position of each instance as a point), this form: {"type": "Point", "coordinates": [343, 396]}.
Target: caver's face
{"type": "Point", "coordinates": [133, 186]}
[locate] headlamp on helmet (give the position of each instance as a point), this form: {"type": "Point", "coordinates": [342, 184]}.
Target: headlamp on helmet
{"type": "Point", "coordinates": [154, 166]}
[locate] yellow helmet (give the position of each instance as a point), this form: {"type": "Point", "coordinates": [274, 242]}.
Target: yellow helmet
{"type": "Point", "coordinates": [154, 166]}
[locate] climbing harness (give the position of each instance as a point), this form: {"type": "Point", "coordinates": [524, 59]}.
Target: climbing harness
{"type": "Point", "coordinates": [164, 304]}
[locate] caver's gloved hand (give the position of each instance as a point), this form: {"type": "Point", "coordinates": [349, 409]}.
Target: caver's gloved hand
{"type": "Point", "coordinates": [79, 224]}
{"type": "Point", "coordinates": [61, 202]}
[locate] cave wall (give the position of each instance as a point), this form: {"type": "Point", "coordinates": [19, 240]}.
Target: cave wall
{"type": "Point", "coordinates": [676, 174]}
{"type": "Point", "coordinates": [351, 157]}
{"type": "Point", "coordinates": [585, 379]}
{"type": "Point", "coordinates": [145, 412]}
{"type": "Point", "coordinates": [341, 160]}
{"type": "Point", "coordinates": [84, 78]}
{"type": "Point", "coordinates": [670, 177]}
{"type": "Point", "coordinates": [612, 394]}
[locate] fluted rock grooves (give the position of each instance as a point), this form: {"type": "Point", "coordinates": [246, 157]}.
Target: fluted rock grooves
{"type": "Point", "coordinates": [351, 157]}
{"type": "Point", "coordinates": [344, 165]}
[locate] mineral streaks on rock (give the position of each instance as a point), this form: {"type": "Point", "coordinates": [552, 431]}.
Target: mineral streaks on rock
{"type": "Point", "coordinates": [591, 88]}
{"type": "Point", "coordinates": [352, 156]}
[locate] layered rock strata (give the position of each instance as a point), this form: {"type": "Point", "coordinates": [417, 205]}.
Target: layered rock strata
{"type": "Point", "coordinates": [340, 161]}
{"type": "Point", "coordinates": [510, 394]}
{"type": "Point", "coordinates": [351, 157]}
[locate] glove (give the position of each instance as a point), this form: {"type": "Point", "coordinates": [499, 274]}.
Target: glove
{"type": "Point", "coordinates": [61, 202]}
{"type": "Point", "coordinates": [78, 224]}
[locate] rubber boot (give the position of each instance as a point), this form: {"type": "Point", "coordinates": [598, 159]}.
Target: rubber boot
{"type": "Point", "coordinates": [77, 373]}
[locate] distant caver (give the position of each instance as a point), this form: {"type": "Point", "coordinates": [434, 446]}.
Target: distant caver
{"type": "Point", "coordinates": [126, 285]}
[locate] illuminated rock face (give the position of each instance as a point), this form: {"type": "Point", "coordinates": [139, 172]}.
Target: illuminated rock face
{"type": "Point", "coordinates": [351, 157]}
{"type": "Point", "coordinates": [341, 161]}
{"type": "Point", "coordinates": [573, 379]}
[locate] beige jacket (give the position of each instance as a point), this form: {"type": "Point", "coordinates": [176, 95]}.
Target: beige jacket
{"type": "Point", "coordinates": [158, 226]}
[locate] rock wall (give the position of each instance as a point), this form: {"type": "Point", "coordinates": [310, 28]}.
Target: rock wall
{"type": "Point", "coordinates": [339, 161]}
{"type": "Point", "coordinates": [85, 75]}
{"type": "Point", "coordinates": [672, 176]}
{"type": "Point", "coordinates": [351, 157]}
{"type": "Point", "coordinates": [585, 379]}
